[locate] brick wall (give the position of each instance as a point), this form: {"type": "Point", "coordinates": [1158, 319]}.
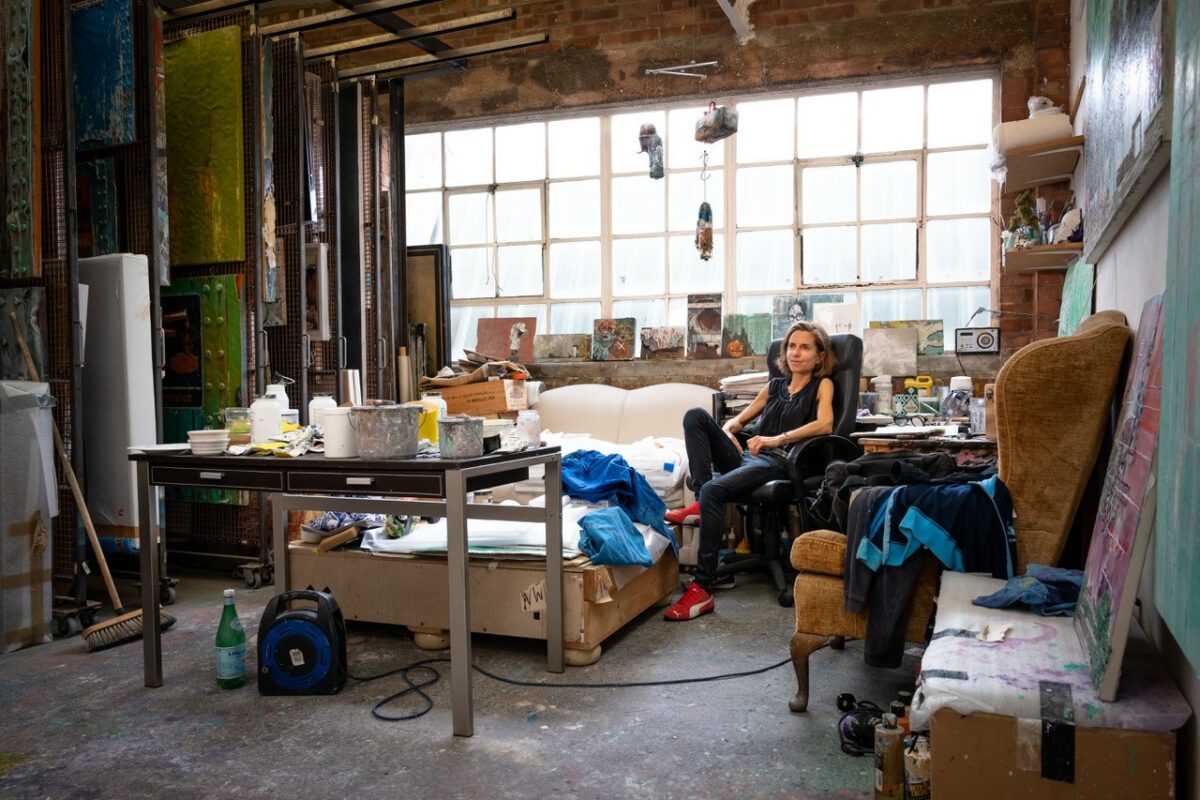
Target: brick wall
{"type": "Point", "coordinates": [598, 53]}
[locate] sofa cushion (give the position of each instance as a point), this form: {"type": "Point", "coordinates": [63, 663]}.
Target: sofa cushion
{"type": "Point", "coordinates": [621, 416]}
{"type": "Point", "coordinates": [822, 552]}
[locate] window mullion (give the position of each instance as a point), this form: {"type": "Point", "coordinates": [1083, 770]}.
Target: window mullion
{"type": "Point", "coordinates": [729, 175]}
{"type": "Point", "coordinates": [606, 177]}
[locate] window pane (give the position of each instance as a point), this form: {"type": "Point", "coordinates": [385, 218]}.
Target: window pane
{"type": "Point", "coordinates": [765, 196]}
{"type": "Point", "coordinates": [889, 190]}
{"type": "Point", "coordinates": [520, 270]}
{"type": "Point", "coordinates": [828, 125]}
{"type": "Point", "coordinates": [575, 269]}
{"type": "Point", "coordinates": [423, 161]}
{"type": "Point", "coordinates": [470, 218]}
{"type": "Point", "coordinates": [765, 260]}
{"type": "Point", "coordinates": [890, 304]}
{"type": "Point", "coordinates": [958, 250]}
{"type": "Point", "coordinates": [889, 252]}
{"type": "Point", "coordinates": [464, 326]}
{"type": "Point", "coordinates": [472, 273]}
{"type": "Point", "coordinates": [766, 130]}
{"type": "Point", "coordinates": [637, 205]}
{"type": "Point", "coordinates": [521, 152]}
{"type": "Point", "coordinates": [828, 194]}
{"type": "Point", "coordinates": [830, 255]}
{"type": "Point", "coordinates": [469, 157]}
{"type": "Point", "coordinates": [960, 113]}
{"type": "Point", "coordinates": [536, 310]}
{"type": "Point", "coordinates": [626, 155]}
{"type": "Point", "coordinates": [573, 317]}
{"type": "Point", "coordinates": [683, 150]}
{"type": "Point", "coordinates": [754, 304]}
{"type": "Point", "coordinates": [648, 313]}
{"type": "Point", "coordinates": [574, 209]}
{"type": "Point", "coordinates": [958, 183]}
{"type": "Point", "coordinates": [638, 266]}
{"type": "Point", "coordinates": [423, 217]}
{"type": "Point", "coordinates": [892, 119]}
{"type": "Point", "coordinates": [686, 191]}
{"type": "Point", "coordinates": [574, 147]}
{"type": "Point", "coordinates": [954, 305]}
{"type": "Point", "coordinates": [519, 215]}
{"type": "Point", "coordinates": [689, 273]}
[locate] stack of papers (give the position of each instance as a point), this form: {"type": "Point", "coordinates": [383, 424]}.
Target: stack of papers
{"type": "Point", "coordinates": [746, 385]}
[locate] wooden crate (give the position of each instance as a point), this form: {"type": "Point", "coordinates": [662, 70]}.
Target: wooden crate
{"type": "Point", "coordinates": [506, 597]}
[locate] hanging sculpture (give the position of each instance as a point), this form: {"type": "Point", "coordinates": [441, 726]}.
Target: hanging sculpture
{"type": "Point", "coordinates": [704, 232]}
{"type": "Point", "coordinates": [716, 124]}
{"type": "Point", "coordinates": [652, 143]}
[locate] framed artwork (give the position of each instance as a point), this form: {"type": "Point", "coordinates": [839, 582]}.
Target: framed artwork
{"type": "Point", "coordinates": [787, 310]}
{"type": "Point", "coordinates": [1126, 516]}
{"type": "Point", "coordinates": [560, 346]}
{"type": "Point", "coordinates": [316, 291]}
{"type": "Point", "coordinates": [613, 339]}
{"type": "Point", "coordinates": [506, 338]}
{"type": "Point", "coordinates": [426, 283]}
{"type": "Point", "coordinates": [663, 343]}
{"type": "Point", "coordinates": [102, 78]}
{"type": "Point", "coordinates": [1128, 99]}
{"type": "Point", "coordinates": [704, 328]}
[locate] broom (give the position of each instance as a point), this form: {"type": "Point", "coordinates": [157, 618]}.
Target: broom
{"type": "Point", "coordinates": [126, 626]}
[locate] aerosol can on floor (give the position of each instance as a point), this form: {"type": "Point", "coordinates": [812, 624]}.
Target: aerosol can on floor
{"type": "Point", "coordinates": [231, 647]}
{"type": "Point", "coordinates": [889, 759]}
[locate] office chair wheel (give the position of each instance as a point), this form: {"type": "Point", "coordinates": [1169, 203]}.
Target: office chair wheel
{"type": "Point", "coordinates": [785, 598]}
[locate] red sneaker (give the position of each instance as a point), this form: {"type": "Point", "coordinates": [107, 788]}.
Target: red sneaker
{"type": "Point", "coordinates": [695, 601]}
{"type": "Point", "coordinates": [680, 516]}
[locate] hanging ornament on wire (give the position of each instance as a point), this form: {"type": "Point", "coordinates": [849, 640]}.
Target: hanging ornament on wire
{"type": "Point", "coordinates": [704, 223]}
{"type": "Point", "coordinates": [652, 144]}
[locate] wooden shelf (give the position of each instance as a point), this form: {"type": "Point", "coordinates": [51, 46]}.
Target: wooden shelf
{"type": "Point", "coordinates": [1042, 257]}
{"type": "Point", "coordinates": [1042, 164]}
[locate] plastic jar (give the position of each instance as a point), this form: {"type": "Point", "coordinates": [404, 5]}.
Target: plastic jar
{"type": "Point", "coordinates": [237, 422]}
{"type": "Point", "coordinates": [266, 418]}
{"type": "Point", "coordinates": [340, 441]}
{"type": "Point", "coordinates": [529, 427]}
{"type": "Point", "coordinates": [317, 407]}
{"type": "Point", "coordinates": [280, 392]}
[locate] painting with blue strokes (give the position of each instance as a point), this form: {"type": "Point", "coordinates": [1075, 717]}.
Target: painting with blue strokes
{"type": "Point", "coordinates": [103, 73]}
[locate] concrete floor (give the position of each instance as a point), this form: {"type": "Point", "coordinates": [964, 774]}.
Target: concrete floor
{"type": "Point", "coordinates": [81, 725]}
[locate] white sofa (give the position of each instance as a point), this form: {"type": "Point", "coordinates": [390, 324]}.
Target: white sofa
{"type": "Point", "coordinates": [621, 416]}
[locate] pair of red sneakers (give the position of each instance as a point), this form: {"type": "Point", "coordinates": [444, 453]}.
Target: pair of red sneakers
{"type": "Point", "coordinates": [688, 515]}
{"type": "Point", "coordinates": [695, 602]}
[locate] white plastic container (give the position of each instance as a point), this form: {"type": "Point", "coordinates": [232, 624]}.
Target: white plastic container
{"type": "Point", "coordinates": [318, 406]}
{"type": "Point", "coordinates": [529, 427]}
{"type": "Point", "coordinates": [266, 418]}
{"type": "Point", "coordinates": [280, 392]}
{"type": "Point", "coordinates": [883, 394]}
{"type": "Point", "coordinates": [340, 441]}
{"type": "Point", "coordinates": [436, 397]}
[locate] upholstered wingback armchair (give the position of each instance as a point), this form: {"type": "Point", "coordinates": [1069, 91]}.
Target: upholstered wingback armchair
{"type": "Point", "coordinates": [1052, 405]}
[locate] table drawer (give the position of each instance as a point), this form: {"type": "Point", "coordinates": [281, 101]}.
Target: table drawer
{"type": "Point", "coordinates": [417, 484]}
{"type": "Point", "coordinates": [262, 480]}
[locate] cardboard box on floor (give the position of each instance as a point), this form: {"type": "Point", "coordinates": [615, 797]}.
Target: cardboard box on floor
{"type": "Point", "coordinates": [485, 397]}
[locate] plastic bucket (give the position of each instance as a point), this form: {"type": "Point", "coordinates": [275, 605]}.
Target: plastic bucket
{"type": "Point", "coordinates": [339, 436]}
{"type": "Point", "coordinates": [460, 437]}
{"type": "Point", "coordinates": [385, 431]}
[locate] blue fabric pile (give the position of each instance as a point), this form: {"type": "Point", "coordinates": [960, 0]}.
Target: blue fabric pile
{"type": "Point", "coordinates": [595, 477]}
{"type": "Point", "coordinates": [1049, 591]}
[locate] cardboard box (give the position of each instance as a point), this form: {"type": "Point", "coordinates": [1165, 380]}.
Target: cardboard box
{"type": "Point", "coordinates": [985, 756]}
{"type": "Point", "coordinates": [485, 397]}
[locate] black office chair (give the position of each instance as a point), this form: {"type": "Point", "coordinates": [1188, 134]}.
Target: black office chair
{"type": "Point", "coordinates": [764, 509]}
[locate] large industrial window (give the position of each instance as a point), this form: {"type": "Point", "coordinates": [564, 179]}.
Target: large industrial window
{"type": "Point", "coordinates": [878, 195]}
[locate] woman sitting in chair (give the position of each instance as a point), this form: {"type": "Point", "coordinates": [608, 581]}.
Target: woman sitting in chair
{"type": "Point", "coordinates": [795, 407]}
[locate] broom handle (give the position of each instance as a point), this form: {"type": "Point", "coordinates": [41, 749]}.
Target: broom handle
{"type": "Point", "coordinates": [66, 463]}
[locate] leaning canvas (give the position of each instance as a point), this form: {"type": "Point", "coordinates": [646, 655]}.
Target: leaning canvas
{"type": "Point", "coordinates": [663, 343]}
{"type": "Point", "coordinates": [613, 339]}
{"type": "Point", "coordinates": [506, 338]}
{"type": "Point", "coordinates": [704, 326]}
{"type": "Point", "coordinates": [931, 337]}
{"type": "Point", "coordinates": [562, 346]}
{"type": "Point", "coordinates": [746, 335]}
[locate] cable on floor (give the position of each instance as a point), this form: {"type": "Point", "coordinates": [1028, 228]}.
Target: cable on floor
{"type": "Point", "coordinates": [433, 677]}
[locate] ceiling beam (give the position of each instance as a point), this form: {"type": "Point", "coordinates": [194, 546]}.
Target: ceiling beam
{"type": "Point", "coordinates": [739, 18]}
{"type": "Point", "coordinates": [210, 7]}
{"type": "Point", "coordinates": [390, 67]}
{"type": "Point", "coordinates": [383, 39]}
{"type": "Point", "coordinates": [334, 17]}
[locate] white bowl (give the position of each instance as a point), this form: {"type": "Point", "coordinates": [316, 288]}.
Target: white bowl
{"type": "Point", "coordinates": [207, 449]}
{"type": "Point", "coordinates": [208, 435]}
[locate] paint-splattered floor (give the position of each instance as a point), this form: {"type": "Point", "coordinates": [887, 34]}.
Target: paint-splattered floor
{"type": "Point", "coordinates": [81, 725]}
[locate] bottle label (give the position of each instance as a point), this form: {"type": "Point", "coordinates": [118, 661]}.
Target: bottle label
{"type": "Point", "coordinates": [231, 661]}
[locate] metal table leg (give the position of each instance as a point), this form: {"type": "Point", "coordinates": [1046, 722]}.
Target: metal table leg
{"type": "Point", "coordinates": [554, 575]}
{"type": "Point", "coordinates": [148, 541]}
{"type": "Point", "coordinates": [279, 531]}
{"type": "Point", "coordinates": [460, 603]}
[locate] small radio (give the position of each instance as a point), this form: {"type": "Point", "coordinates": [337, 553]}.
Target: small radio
{"type": "Point", "coordinates": [977, 340]}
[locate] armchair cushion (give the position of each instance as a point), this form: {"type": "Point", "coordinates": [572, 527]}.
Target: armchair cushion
{"type": "Point", "coordinates": [822, 552]}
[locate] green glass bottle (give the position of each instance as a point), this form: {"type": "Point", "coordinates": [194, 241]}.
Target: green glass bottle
{"type": "Point", "coordinates": [231, 647]}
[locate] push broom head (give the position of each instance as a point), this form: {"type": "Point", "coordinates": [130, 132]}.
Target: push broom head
{"type": "Point", "coordinates": [121, 629]}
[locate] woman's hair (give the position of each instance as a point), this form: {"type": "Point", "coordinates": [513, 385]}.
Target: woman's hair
{"type": "Point", "coordinates": [824, 349]}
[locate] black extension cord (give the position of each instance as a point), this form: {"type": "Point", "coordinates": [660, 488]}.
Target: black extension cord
{"type": "Point", "coordinates": [434, 676]}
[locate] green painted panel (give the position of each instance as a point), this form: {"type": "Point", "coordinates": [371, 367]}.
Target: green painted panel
{"type": "Point", "coordinates": [1076, 297]}
{"type": "Point", "coordinates": [206, 180]}
{"type": "Point", "coordinates": [1176, 546]}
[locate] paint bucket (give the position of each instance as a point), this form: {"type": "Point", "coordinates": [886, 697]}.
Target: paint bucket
{"type": "Point", "coordinates": [339, 436]}
{"type": "Point", "coordinates": [460, 437]}
{"type": "Point", "coordinates": [385, 431]}
{"type": "Point", "coordinates": [428, 412]}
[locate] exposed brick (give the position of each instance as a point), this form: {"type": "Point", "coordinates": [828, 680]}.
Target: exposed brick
{"type": "Point", "coordinates": [894, 6]}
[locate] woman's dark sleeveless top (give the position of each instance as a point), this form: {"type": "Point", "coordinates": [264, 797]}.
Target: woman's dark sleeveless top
{"type": "Point", "coordinates": [783, 412]}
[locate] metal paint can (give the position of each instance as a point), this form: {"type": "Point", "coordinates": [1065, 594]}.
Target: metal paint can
{"type": "Point", "coordinates": [460, 436]}
{"type": "Point", "coordinates": [385, 431]}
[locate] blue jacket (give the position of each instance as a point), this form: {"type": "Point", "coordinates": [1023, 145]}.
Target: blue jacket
{"type": "Point", "coordinates": [592, 476]}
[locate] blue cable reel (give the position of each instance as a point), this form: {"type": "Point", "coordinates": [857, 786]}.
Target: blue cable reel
{"type": "Point", "coordinates": [302, 650]}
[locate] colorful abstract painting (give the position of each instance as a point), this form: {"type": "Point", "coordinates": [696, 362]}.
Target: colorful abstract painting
{"type": "Point", "coordinates": [746, 335]}
{"type": "Point", "coordinates": [29, 304]}
{"type": "Point", "coordinates": [660, 344]}
{"type": "Point", "coordinates": [562, 346]}
{"type": "Point", "coordinates": [506, 338]}
{"type": "Point", "coordinates": [274, 312]}
{"type": "Point", "coordinates": [1176, 545]}
{"type": "Point", "coordinates": [102, 76]}
{"type": "Point", "coordinates": [1126, 515]}
{"type": "Point", "coordinates": [614, 339]}
{"type": "Point", "coordinates": [1077, 291]}
{"type": "Point", "coordinates": [931, 336]}
{"type": "Point", "coordinates": [206, 177]}
{"type": "Point", "coordinates": [704, 326]}
{"type": "Point", "coordinates": [1128, 112]}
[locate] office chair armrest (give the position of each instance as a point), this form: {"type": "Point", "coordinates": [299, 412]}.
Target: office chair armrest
{"type": "Point", "coordinates": [812, 456]}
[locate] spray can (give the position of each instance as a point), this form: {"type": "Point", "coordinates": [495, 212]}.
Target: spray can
{"type": "Point", "coordinates": [916, 769]}
{"type": "Point", "coordinates": [889, 759]}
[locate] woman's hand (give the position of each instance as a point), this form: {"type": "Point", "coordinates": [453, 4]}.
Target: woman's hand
{"type": "Point", "coordinates": [759, 443]}
{"type": "Point", "coordinates": [731, 427]}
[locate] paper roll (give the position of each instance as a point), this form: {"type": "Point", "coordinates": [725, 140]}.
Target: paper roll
{"type": "Point", "coordinates": [404, 372]}
{"type": "Point", "coordinates": [1023, 132]}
